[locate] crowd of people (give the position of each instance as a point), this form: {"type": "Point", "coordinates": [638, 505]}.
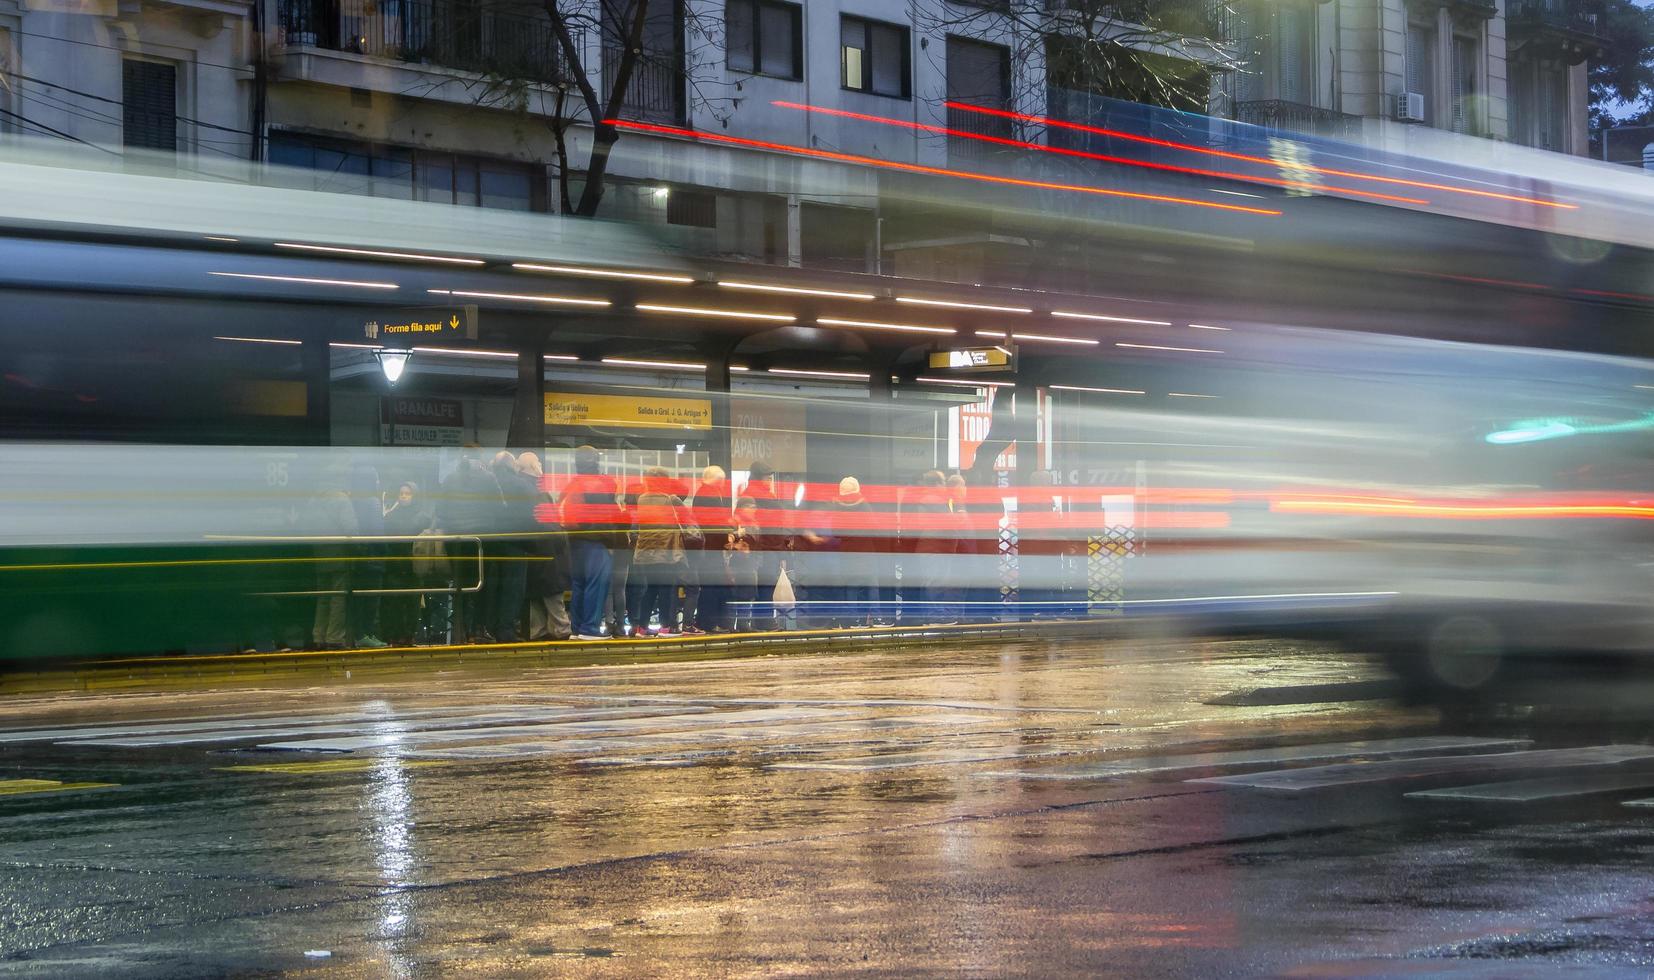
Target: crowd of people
{"type": "Point", "coordinates": [588, 557]}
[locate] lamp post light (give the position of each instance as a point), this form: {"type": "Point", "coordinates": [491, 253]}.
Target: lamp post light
{"type": "Point", "coordinates": [393, 361]}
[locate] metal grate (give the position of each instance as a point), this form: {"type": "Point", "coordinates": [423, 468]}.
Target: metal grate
{"type": "Point", "coordinates": [149, 105]}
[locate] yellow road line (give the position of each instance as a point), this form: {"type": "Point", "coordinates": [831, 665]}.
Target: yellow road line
{"type": "Point", "coordinates": [18, 787]}
{"type": "Point", "coordinates": [331, 765]}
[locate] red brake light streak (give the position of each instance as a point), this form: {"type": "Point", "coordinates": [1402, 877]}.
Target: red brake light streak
{"type": "Point", "coordinates": [1248, 158]}
{"type": "Point", "coordinates": [1101, 157]}
{"type": "Point", "coordinates": [916, 168]}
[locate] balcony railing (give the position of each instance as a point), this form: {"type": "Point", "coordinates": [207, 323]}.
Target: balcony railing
{"type": "Point", "coordinates": [1570, 17]}
{"type": "Point", "coordinates": [963, 148]}
{"type": "Point", "coordinates": [490, 40]}
{"type": "Point", "coordinates": [1295, 117]}
{"type": "Point", "coordinates": [656, 91]}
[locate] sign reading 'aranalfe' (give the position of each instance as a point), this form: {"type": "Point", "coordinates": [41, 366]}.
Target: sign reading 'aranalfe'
{"type": "Point", "coordinates": [433, 323]}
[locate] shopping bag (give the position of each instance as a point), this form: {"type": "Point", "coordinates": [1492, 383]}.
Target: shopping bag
{"type": "Point", "coordinates": [784, 598]}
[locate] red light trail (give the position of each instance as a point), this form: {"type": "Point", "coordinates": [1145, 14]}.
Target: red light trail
{"type": "Point", "coordinates": [1229, 155]}
{"type": "Point", "coordinates": [1102, 157]}
{"type": "Point", "coordinates": [916, 168]}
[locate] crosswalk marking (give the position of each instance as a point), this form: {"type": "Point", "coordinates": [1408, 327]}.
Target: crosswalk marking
{"type": "Point", "coordinates": [906, 760]}
{"type": "Point", "coordinates": [392, 725]}
{"type": "Point", "coordinates": [1356, 774]}
{"type": "Point", "coordinates": [23, 787]}
{"type": "Point", "coordinates": [688, 720]}
{"type": "Point", "coordinates": [1387, 747]}
{"type": "Point", "coordinates": [1548, 788]}
{"type": "Point", "coordinates": [323, 768]}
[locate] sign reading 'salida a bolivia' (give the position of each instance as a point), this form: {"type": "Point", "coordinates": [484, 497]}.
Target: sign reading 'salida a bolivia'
{"type": "Point", "coordinates": [450, 322]}
{"type": "Point", "coordinates": [627, 411]}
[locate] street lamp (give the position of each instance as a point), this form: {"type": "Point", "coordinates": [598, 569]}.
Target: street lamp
{"type": "Point", "coordinates": [393, 361]}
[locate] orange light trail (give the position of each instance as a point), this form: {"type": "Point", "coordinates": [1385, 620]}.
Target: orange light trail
{"type": "Point", "coordinates": [1230, 155]}
{"type": "Point", "coordinates": [930, 171]}
{"type": "Point", "coordinates": [1473, 512]}
{"type": "Point", "coordinates": [1102, 157]}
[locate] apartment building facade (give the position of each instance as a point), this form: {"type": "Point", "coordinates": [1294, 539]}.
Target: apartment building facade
{"type": "Point", "coordinates": [455, 101]}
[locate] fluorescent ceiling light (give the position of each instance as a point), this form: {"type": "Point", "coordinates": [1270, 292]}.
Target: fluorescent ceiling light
{"type": "Point", "coordinates": [738, 368]}
{"type": "Point", "coordinates": [1180, 350]}
{"type": "Point", "coordinates": [522, 297]}
{"type": "Point", "coordinates": [1206, 326]}
{"type": "Point", "coordinates": [704, 311]}
{"type": "Point", "coordinates": [561, 357]}
{"type": "Point", "coordinates": [847, 375]}
{"type": "Point", "coordinates": [220, 238]}
{"type": "Point", "coordinates": [261, 340]}
{"type": "Point", "coordinates": [955, 305]}
{"type": "Point", "coordinates": [375, 253]}
{"type": "Point", "coordinates": [668, 365]}
{"type": "Point", "coordinates": [1047, 338]}
{"type": "Point", "coordinates": [466, 352]}
{"type": "Point", "coordinates": [1100, 391]}
{"type": "Point", "coordinates": [308, 281]}
{"type": "Point", "coordinates": [1186, 394]}
{"type": "Point", "coordinates": [1110, 319]}
{"type": "Point", "coordinates": [796, 290]}
{"type": "Point", "coordinates": [353, 346]}
{"type": "Point", "coordinates": [873, 325]}
{"type": "Point", "coordinates": [574, 270]}
{"type": "Point", "coordinates": [966, 384]}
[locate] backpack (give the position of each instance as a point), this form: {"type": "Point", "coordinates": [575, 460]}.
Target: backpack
{"type": "Point", "coordinates": [430, 554]}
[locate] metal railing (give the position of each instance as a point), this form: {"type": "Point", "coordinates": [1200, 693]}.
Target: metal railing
{"type": "Point", "coordinates": [1296, 117]}
{"type": "Point", "coordinates": [964, 148]}
{"type": "Point", "coordinates": [371, 540]}
{"type": "Point", "coordinates": [1571, 16]}
{"type": "Point", "coordinates": [655, 92]}
{"type": "Point", "coordinates": [506, 42]}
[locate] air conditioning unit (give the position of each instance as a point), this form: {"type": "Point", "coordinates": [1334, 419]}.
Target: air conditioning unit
{"type": "Point", "coordinates": [1410, 107]}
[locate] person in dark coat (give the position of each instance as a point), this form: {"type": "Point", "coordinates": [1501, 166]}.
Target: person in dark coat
{"type": "Point", "coordinates": [471, 504]}
{"type": "Point", "coordinates": [548, 572]}
{"type": "Point", "coordinates": [368, 575]}
{"type": "Point", "coordinates": [713, 513]}
{"type": "Point", "coordinates": [400, 615]}
{"type": "Point", "coordinates": [519, 495]}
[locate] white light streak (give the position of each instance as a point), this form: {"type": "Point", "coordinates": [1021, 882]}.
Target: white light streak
{"type": "Point", "coordinates": [574, 270]}
{"type": "Point", "coordinates": [794, 290]}
{"type": "Point", "coordinates": [1180, 350]}
{"type": "Point", "coordinates": [705, 311]}
{"type": "Point", "coordinates": [875, 325]}
{"type": "Point", "coordinates": [523, 297]}
{"type": "Point", "coordinates": [1066, 314]}
{"type": "Point", "coordinates": [375, 253]}
{"type": "Point", "coordinates": [305, 280]}
{"type": "Point", "coordinates": [956, 305]}
{"type": "Point", "coordinates": [1100, 391]}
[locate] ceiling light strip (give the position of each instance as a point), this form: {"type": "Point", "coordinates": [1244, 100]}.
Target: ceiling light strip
{"type": "Point", "coordinates": [377, 254]}
{"type": "Point", "coordinates": [308, 281]}
{"type": "Point", "coordinates": [793, 290]}
{"type": "Point", "coordinates": [876, 325]}
{"type": "Point", "coordinates": [574, 270]}
{"type": "Point", "coordinates": [704, 311]}
{"type": "Point", "coordinates": [522, 297]}
{"type": "Point", "coordinates": [1067, 314]}
{"type": "Point", "coordinates": [955, 305]}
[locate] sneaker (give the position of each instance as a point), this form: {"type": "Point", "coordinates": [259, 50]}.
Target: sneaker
{"type": "Point", "coordinates": [371, 642]}
{"type": "Point", "coordinates": [591, 637]}
{"type": "Point", "coordinates": [693, 630]}
{"type": "Point", "coordinates": [665, 633]}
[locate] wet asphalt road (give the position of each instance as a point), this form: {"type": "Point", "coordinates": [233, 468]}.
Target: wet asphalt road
{"type": "Point", "coordinates": [988, 810]}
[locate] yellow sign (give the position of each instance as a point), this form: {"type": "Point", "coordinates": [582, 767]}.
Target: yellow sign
{"type": "Point", "coordinates": [978, 358]}
{"type": "Point", "coordinates": [627, 411]}
{"type": "Point", "coordinates": [460, 321]}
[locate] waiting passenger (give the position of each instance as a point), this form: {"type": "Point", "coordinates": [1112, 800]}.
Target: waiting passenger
{"type": "Point", "coordinates": [471, 504]}
{"type": "Point", "coordinates": [713, 515]}
{"type": "Point", "coordinates": [330, 515]}
{"type": "Point", "coordinates": [548, 572]}
{"type": "Point", "coordinates": [592, 518]}
{"type": "Point", "coordinates": [658, 559]}
{"type": "Point", "coordinates": [520, 495]}
{"type": "Point", "coordinates": [742, 561]}
{"type": "Point", "coordinates": [406, 518]}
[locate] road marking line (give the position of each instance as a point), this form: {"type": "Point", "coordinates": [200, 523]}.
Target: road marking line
{"type": "Point", "coordinates": [1360, 773]}
{"type": "Point", "coordinates": [20, 787]}
{"type": "Point", "coordinates": [1548, 788]}
{"type": "Point", "coordinates": [329, 766]}
{"type": "Point", "coordinates": [905, 760]}
{"type": "Point", "coordinates": [1643, 803]}
{"type": "Point", "coordinates": [1296, 753]}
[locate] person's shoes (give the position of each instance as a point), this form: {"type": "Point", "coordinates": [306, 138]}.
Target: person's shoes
{"type": "Point", "coordinates": [665, 633]}
{"type": "Point", "coordinates": [371, 642]}
{"type": "Point", "coordinates": [693, 630]}
{"type": "Point", "coordinates": [560, 637]}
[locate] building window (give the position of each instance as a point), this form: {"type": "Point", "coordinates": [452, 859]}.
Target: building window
{"type": "Point", "coordinates": [407, 174]}
{"type": "Point", "coordinates": [149, 104]}
{"type": "Point", "coordinates": [765, 37]}
{"type": "Point", "coordinates": [693, 209]}
{"type": "Point", "coordinates": [979, 74]}
{"type": "Point", "coordinates": [1420, 66]}
{"type": "Point", "coordinates": [875, 57]}
{"type": "Point", "coordinates": [1463, 106]}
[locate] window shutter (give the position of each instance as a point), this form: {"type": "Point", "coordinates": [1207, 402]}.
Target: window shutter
{"type": "Point", "coordinates": [1289, 45]}
{"type": "Point", "coordinates": [149, 105]}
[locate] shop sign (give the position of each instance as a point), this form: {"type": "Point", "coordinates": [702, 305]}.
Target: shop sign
{"type": "Point", "coordinates": [421, 421]}
{"type": "Point", "coordinates": [972, 359]}
{"type": "Point", "coordinates": [433, 323]}
{"type": "Point", "coordinates": [770, 429]}
{"type": "Point", "coordinates": [627, 411]}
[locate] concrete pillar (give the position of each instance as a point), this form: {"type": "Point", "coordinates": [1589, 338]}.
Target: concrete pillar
{"type": "Point", "coordinates": [1442, 111]}
{"type": "Point", "coordinates": [795, 231]}
{"type": "Point", "coordinates": [717, 389]}
{"type": "Point", "coordinates": [1579, 101]}
{"type": "Point", "coordinates": [528, 408]}
{"type": "Point", "coordinates": [316, 362]}
{"type": "Point", "coordinates": [880, 424]}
